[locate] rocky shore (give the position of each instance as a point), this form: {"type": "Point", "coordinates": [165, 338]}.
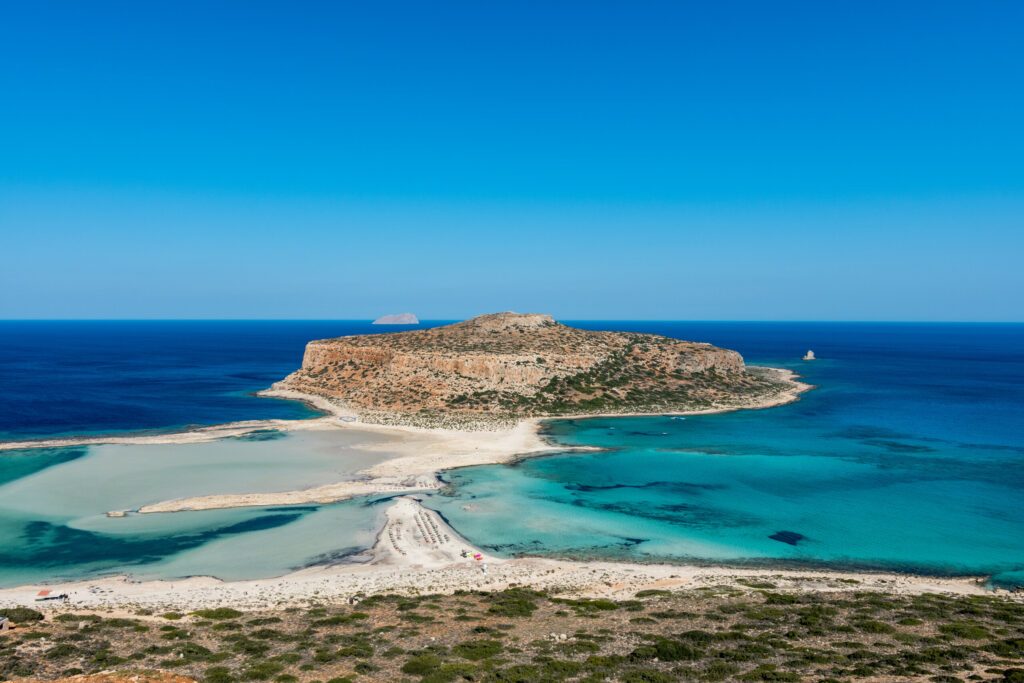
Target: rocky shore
{"type": "Point", "coordinates": [494, 370]}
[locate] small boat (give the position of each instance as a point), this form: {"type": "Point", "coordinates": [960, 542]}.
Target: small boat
{"type": "Point", "coordinates": [809, 355]}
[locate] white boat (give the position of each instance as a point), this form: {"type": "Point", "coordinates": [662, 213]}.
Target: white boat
{"type": "Point", "coordinates": [809, 355]}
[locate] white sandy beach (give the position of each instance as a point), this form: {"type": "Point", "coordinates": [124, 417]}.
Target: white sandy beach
{"type": "Point", "coordinates": [419, 454]}
{"type": "Point", "coordinates": [416, 551]}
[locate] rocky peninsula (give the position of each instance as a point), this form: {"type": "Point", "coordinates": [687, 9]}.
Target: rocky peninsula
{"type": "Point", "coordinates": [496, 369]}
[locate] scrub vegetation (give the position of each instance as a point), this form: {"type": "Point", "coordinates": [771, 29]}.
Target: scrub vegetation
{"type": "Point", "coordinates": [519, 635]}
{"type": "Point", "coordinates": [502, 367]}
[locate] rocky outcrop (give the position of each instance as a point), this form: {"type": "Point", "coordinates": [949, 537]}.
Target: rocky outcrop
{"type": "Point", "coordinates": [508, 365]}
{"type": "Point", "coordinates": [397, 319]}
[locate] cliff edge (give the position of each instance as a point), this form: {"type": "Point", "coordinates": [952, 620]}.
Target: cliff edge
{"type": "Point", "coordinates": [505, 366]}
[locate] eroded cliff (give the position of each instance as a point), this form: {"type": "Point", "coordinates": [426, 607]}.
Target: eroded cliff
{"type": "Point", "coordinates": [508, 365]}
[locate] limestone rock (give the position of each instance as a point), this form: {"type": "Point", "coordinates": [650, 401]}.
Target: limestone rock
{"type": "Point", "coordinates": [511, 365]}
{"type": "Point", "coordinates": [397, 319]}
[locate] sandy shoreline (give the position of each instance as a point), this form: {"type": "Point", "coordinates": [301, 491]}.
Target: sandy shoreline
{"type": "Point", "coordinates": [416, 551]}
{"type": "Point", "coordinates": [421, 453]}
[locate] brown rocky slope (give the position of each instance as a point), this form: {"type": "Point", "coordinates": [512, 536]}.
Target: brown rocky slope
{"type": "Point", "coordinates": [504, 366]}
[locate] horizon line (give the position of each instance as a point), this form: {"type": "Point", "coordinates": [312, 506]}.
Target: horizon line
{"type": "Point", "coordinates": [560, 319]}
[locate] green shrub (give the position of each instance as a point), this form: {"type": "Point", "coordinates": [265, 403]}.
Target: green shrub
{"type": "Point", "coordinates": [340, 619]}
{"type": "Point", "coordinates": [62, 650]}
{"type": "Point", "coordinates": [589, 606]}
{"type": "Point", "coordinates": [1012, 648]}
{"type": "Point", "coordinates": [261, 671]}
{"type": "Point", "coordinates": [647, 676]}
{"type": "Point", "coordinates": [719, 671]}
{"type": "Point", "coordinates": [218, 613]}
{"type": "Point", "coordinates": [360, 649]}
{"type": "Point", "coordinates": [780, 599]}
{"type": "Point", "coordinates": [421, 664]}
{"type": "Point", "coordinates": [968, 630]}
{"type": "Point", "coordinates": [768, 672]}
{"type": "Point", "coordinates": [514, 602]}
{"type": "Point", "coordinates": [519, 673]}
{"type": "Point", "coordinates": [218, 674]}
{"type": "Point", "coordinates": [873, 626]}
{"type": "Point", "coordinates": [476, 650]}
{"type": "Point", "coordinates": [576, 647]}
{"type": "Point", "coordinates": [21, 615]}
{"type": "Point", "coordinates": [71, 617]}
{"type": "Point", "coordinates": [666, 650]}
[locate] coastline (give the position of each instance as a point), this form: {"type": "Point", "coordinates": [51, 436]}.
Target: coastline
{"type": "Point", "coordinates": [417, 552]}
{"type": "Point", "coordinates": [423, 453]}
{"type": "Point", "coordinates": [405, 563]}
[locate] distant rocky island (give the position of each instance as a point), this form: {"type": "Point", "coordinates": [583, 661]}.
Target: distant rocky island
{"type": "Point", "coordinates": [506, 366]}
{"type": "Point", "coordinates": [397, 319]}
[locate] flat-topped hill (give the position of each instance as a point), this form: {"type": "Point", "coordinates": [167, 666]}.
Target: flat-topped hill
{"type": "Point", "coordinates": [509, 365]}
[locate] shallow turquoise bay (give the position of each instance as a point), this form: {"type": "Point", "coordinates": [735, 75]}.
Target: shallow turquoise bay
{"type": "Point", "coordinates": [909, 456]}
{"type": "Point", "coordinates": [53, 504]}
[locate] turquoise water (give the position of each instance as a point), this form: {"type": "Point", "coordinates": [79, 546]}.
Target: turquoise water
{"type": "Point", "coordinates": [243, 543]}
{"type": "Point", "coordinates": [909, 456]}
{"type": "Point", "coordinates": [53, 502]}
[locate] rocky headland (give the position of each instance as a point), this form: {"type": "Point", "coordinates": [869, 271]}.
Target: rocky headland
{"type": "Point", "coordinates": [497, 369]}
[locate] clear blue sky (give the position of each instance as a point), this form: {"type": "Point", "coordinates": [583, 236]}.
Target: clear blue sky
{"type": "Point", "coordinates": [673, 160]}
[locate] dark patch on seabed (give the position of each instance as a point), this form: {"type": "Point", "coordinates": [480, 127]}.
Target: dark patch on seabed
{"type": "Point", "coordinates": [679, 514]}
{"type": "Point", "coordinates": [897, 446]}
{"type": "Point", "coordinates": [787, 537]}
{"type": "Point", "coordinates": [679, 486]}
{"type": "Point", "coordinates": [349, 555]}
{"type": "Point", "coordinates": [261, 435]}
{"type": "Point", "coordinates": [44, 544]}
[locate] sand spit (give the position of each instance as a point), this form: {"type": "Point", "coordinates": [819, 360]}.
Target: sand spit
{"type": "Point", "coordinates": [418, 553]}
{"type": "Point", "coordinates": [333, 414]}
{"type": "Point", "coordinates": [425, 452]}
{"type": "Point", "coordinates": [421, 453]}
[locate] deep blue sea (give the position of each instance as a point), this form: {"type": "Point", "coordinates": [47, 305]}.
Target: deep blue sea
{"type": "Point", "coordinates": [908, 455]}
{"type": "Point", "coordinates": [86, 377]}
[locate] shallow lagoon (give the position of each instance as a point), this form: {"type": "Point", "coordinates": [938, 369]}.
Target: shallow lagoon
{"type": "Point", "coordinates": [53, 504]}
{"type": "Point", "coordinates": [118, 477]}
{"type": "Point", "coordinates": [909, 455]}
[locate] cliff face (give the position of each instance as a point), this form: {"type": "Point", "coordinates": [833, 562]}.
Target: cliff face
{"type": "Point", "coordinates": [507, 365]}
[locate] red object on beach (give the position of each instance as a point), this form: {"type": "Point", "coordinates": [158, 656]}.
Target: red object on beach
{"type": "Point", "coordinates": [43, 593]}
{"type": "Point", "coordinates": [477, 556]}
